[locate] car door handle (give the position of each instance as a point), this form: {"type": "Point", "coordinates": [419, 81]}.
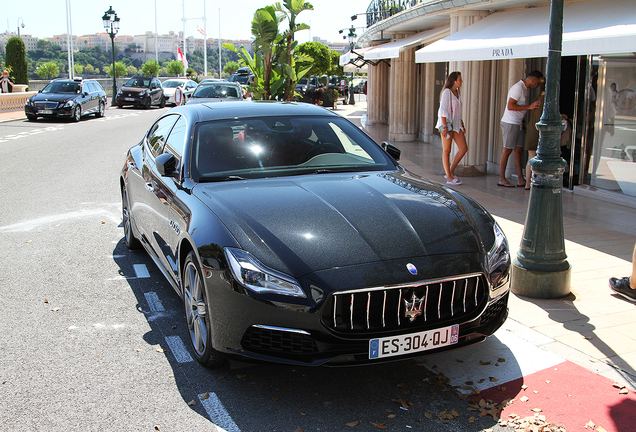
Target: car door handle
{"type": "Point", "coordinates": [150, 187]}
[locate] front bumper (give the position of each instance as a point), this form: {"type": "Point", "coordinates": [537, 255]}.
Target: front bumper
{"type": "Point", "coordinates": [57, 112]}
{"type": "Point", "coordinates": [128, 100]}
{"type": "Point", "coordinates": [322, 331]}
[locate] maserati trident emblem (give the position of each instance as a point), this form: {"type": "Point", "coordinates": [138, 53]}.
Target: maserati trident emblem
{"type": "Point", "coordinates": [413, 307]}
{"type": "Point", "coordinates": [411, 268]}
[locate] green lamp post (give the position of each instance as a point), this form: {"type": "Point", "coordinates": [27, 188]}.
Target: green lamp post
{"type": "Point", "coordinates": [111, 25]}
{"type": "Point", "coordinates": [541, 269]}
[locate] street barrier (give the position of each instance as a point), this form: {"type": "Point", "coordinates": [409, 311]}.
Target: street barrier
{"type": "Point", "coordinates": [14, 101]}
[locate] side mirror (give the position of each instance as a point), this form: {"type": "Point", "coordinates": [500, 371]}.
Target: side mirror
{"type": "Point", "coordinates": [85, 94]}
{"type": "Point", "coordinates": [166, 164]}
{"type": "Point", "coordinates": [392, 150]}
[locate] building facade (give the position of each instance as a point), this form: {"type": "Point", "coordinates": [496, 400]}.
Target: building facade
{"type": "Point", "coordinates": [494, 44]}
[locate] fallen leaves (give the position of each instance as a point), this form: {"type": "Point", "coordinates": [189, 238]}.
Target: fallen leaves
{"type": "Point", "coordinates": [622, 389]}
{"type": "Point", "coordinates": [590, 425]}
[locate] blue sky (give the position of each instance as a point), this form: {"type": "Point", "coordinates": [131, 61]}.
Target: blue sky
{"type": "Point", "coordinates": [45, 18]}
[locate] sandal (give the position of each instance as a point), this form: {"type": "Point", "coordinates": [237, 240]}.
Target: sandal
{"type": "Point", "coordinates": [510, 185]}
{"type": "Point", "coordinates": [455, 181]}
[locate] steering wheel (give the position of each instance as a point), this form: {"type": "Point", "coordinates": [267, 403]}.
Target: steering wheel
{"type": "Point", "coordinates": [320, 149]}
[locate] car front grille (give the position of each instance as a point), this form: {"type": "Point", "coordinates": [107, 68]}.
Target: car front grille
{"type": "Point", "coordinates": [422, 305]}
{"type": "Point", "coordinates": [261, 339]}
{"type": "Point", "coordinates": [494, 310]}
{"type": "Point", "coordinates": [45, 105]}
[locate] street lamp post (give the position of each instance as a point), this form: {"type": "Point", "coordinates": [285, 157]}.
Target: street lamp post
{"type": "Point", "coordinates": [352, 42]}
{"type": "Point", "coordinates": [541, 269]}
{"type": "Point", "coordinates": [111, 24]}
{"type": "Point", "coordinates": [20, 19]}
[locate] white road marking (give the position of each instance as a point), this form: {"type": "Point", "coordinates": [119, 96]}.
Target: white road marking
{"type": "Point", "coordinates": [141, 271]}
{"type": "Point", "coordinates": [217, 413]}
{"type": "Point", "coordinates": [47, 220]}
{"type": "Point", "coordinates": [481, 362]}
{"type": "Point", "coordinates": [179, 349]}
{"type": "Point", "coordinates": [153, 301]}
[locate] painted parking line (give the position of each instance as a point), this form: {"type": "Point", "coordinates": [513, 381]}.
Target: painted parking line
{"type": "Point", "coordinates": [153, 301]}
{"type": "Point", "coordinates": [141, 271]}
{"type": "Point", "coordinates": [217, 413]}
{"type": "Point", "coordinates": [178, 349]}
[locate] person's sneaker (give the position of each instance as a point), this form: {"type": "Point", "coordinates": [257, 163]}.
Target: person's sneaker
{"type": "Point", "coordinates": [622, 288]}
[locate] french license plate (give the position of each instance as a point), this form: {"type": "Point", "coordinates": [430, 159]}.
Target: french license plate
{"type": "Point", "coordinates": [45, 111]}
{"type": "Point", "coordinates": [130, 99]}
{"type": "Point", "coordinates": [414, 342]}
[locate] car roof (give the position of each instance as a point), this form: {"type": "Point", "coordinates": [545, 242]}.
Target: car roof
{"type": "Point", "coordinates": [236, 109]}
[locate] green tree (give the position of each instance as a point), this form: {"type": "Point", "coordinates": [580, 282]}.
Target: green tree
{"type": "Point", "coordinates": [336, 69]}
{"type": "Point", "coordinates": [120, 70]}
{"type": "Point", "coordinates": [231, 67]}
{"type": "Point", "coordinates": [48, 70]}
{"type": "Point", "coordinates": [190, 72]}
{"type": "Point", "coordinates": [131, 70]}
{"type": "Point", "coordinates": [16, 58]}
{"type": "Point", "coordinates": [320, 54]}
{"type": "Point", "coordinates": [89, 69]}
{"type": "Point", "coordinates": [175, 68]}
{"type": "Point", "coordinates": [79, 69]}
{"type": "Point", "coordinates": [151, 68]}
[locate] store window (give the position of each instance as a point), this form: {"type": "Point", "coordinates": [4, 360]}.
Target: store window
{"type": "Point", "coordinates": [610, 148]}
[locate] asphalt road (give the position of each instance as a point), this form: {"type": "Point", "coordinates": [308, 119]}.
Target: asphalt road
{"type": "Point", "coordinates": [92, 337]}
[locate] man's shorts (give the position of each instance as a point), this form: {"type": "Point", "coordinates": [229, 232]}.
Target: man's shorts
{"type": "Point", "coordinates": [513, 135]}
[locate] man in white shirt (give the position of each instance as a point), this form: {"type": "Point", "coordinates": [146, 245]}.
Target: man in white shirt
{"type": "Point", "coordinates": [512, 125]}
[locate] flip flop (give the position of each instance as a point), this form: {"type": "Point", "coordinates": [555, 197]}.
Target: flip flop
{"type": "Point", "coordinates": [506, 185]}
{"type": "Point", "coordinates": [522, 185]}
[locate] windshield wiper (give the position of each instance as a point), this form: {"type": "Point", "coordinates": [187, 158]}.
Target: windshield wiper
{"type": "Point", "coordinates": [221, 178]}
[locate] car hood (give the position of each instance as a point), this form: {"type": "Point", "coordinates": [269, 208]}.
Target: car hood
{"type": "Point", "coordinates": [170, 90]}
{"type": "Point", "coordinates": [53, 97]}
{"type": "Point", "coordinates": [196, 100]}
{"type": "Point", "coordinates": [303, 224]}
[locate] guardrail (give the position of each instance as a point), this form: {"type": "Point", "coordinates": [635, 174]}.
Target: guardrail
{"type": "Point", "coordinates": [14, 101]}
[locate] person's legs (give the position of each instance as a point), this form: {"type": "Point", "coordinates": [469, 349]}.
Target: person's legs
{"type": "Point", "coordinates": [626, 286]}
{"type": "Point", "coordinates": [446, 151]}
{"type": "Point", "coordinates": [462, 149]}
{"type": "Point", "coordinates": [502, 165]}
{"type": "Point", "coordinates": [531, 154]}
{"type": "Point", "coordinates": [510, 134]}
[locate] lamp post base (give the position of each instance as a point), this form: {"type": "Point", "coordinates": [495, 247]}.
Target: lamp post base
{"type": "Point", "coordinates": [539, 284]}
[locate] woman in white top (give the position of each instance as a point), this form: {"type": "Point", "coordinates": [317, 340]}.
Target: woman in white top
{"type": "Point", "coordinates": [451, 126]}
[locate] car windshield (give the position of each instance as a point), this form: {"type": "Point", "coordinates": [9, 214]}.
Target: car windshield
{"type": "Point", "coordinates": [138, 82]}
{"type": "Point", "coordinates": [63, 87]}
{"type": "Point", "coordinates": [210, 91]}
{"type": "Point", "coordinates": [282, 146]}
{"type": "Point", "coordinates": [172, 84]}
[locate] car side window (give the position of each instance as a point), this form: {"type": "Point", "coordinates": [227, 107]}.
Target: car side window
{"type": "Point", "coordinates": [158, 132]}
{"type": "Point", "coordinates": [176, 139]}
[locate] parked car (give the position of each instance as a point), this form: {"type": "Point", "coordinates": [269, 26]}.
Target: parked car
{"type": "Point", "coordinates": [243, 76]}
{"type": "Point", "coordinates": [66, 98]}
{"type": "Point", "coordinates": [358, 85]}
{"type": "Point", "coordinates": [217, 91]}
{"type": "Point", "coordinates": [170, 87]}
{"type": "Point", "coordinates": [304, 86]}
{"type": "Point", "coordinates": [293, 237]}
{"type": "Point", "coordinates": [141, 92]}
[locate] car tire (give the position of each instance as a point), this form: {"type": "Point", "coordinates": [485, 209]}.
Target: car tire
{"type": "Point", "coordinates": [162, 102]}
{"type": "Point", "coordinates": [31, 117]}
{"type": "Point", "coordinates": [147, 103]}
{"type": "Point", "coordinates": [102, 109]}
{"type": "Point", "coordinates": [77, 114]}
{"type": "Point", "coordinates": [129, 236]}
{"type": "Point", "coordinates": [197, 315]}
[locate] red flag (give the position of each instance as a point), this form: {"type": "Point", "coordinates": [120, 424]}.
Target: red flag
{"type": "Point", "coordinates": [182, 58]}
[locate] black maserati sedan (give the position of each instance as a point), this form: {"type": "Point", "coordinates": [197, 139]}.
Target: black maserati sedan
{"type": "Point", "coordinates": [67, 98]}
{"type": "Point", "coordinates": [293, 237]}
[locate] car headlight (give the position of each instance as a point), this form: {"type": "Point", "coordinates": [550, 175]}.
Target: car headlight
{"type": "Point", "coordinates": [257, 277]}
{"type": "Point", "coordinates": [143, 93]}
{"type": "Point", "coordinates": [69, 103]}
{"type": "Point", "coordinates": [498, 256]}
{"type": "Point", "coordinates": [28, 102]}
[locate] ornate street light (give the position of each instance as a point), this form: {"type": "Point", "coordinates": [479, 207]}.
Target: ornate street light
{"type": "Point", "coordinates": [352, 36]}
{"type": "Point", "coordinates": [20, 25]}
{"type": "Point", "coordinates": [111, 24]}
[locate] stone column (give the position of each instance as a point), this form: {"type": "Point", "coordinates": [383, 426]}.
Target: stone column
{"type": "Point", "coordinates": [378, 94]}
{"type": "Point", "coordinates": [403, 121]}
{"type": "Point", "coordinates": [429, 115]}
{"type": "Point", "coordinates": [475, 94]}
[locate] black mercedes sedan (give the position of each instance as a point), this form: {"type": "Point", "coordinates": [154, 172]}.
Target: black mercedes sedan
{"type": "Point", "coordinates": [293, 237]}
{"type": "Point", "coordinates": [66, 98]}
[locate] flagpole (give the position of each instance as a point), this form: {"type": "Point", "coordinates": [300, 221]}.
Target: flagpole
{"type": "Point", "coordinates": [220, 43]}
{"type": "Point", "coordinates": [205, 42]}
